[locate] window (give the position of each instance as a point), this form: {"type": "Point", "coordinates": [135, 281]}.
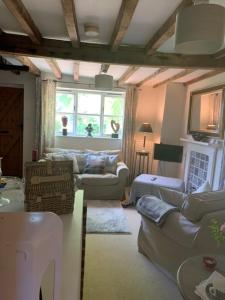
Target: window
{"type": "Point", "coordinates": [83, 107]}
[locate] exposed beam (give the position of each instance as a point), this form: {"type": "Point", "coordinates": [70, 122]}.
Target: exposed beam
{"type": "Point", "coordinates": [166, 30]}
{"type": "Point", "coordinates": [13, 68]}
{"type": "Point", "coordinates": [4, 61]}
{"type": "Point", "coordinates": [71, 21]}
{"type": "Point", "coordinates": [129, 72]}
{"type": "Point", "coordinates": [55, 68]}
{"type": "Point", "coordinates": [125, 15]}
{"type": "Point", "coordinates": [20, 12]}
{"type": "Point", "coordinates": [174, 77]}
{"type": "Point", "coordinates": [104, 68]}
{"type": "Point", "coordinates": [205, 76]}
{"type": "Point", "coordinates": [20, 45]}
{"type": "Point", "coordinates": [27, 62]}
{"type": "Point", "coordinates": [76, 73]}
{"type": "Point", "coordinates": [157, 72]}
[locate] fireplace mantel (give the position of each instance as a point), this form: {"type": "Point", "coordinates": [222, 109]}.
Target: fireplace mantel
{"type": "Point", "coordinates": [215, 144]}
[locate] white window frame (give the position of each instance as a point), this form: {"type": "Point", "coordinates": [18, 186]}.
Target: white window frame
{"type": "Point", "coordinates": [101, 115]}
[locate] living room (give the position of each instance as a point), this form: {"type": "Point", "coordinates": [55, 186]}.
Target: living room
{"type": "Point", "coordinates": [154, 83]}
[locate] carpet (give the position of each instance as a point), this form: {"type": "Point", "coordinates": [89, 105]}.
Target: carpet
{"type": "Point", "coordinates": [106, 216]}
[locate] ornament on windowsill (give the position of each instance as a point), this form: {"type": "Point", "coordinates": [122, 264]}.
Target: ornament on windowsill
{"type": "Point", "coordinates": [115, 127]}
{"type": "Point", "coordinates": [89, 130]}
{"type": "Point", "coordinates": [64, 123]}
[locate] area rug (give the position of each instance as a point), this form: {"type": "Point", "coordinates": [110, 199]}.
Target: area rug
{"type": "Point", "coordinates": [106, 216]}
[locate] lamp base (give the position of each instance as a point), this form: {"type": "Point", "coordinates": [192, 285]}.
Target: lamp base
{"type": "Point", "coordinates": [64, 131]}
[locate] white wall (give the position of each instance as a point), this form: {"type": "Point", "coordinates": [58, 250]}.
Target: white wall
{"type": "Point", "coordinates": [173, 117]}
{"type": "Point", "coordinates": [150, 108]}
{"type": "Point", "coordinates": [26, 81]}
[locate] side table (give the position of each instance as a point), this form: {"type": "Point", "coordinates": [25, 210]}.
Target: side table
{"type": "Point", "coordinates": [142, 162]}
{"type": "Point", "coordinates": [192, 272]}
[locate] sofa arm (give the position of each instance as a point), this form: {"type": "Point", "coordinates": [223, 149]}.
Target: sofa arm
{"type": "Point", "coordinates": [122, 171]}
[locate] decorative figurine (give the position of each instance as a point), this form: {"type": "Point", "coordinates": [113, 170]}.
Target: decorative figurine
{"type": "Point", "coordinates": [115, 127]}
{"type": "Point", "coordinates": [89, 129]}
{"type": "Point", "coordinates": [64, 123]}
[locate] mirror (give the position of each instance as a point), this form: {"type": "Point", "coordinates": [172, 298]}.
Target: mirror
{"type": "Point", "coordinates": [206, 112]}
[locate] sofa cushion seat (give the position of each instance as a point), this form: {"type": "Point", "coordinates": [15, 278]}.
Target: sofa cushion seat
{"type": "Point", "coordinates": [97, 179]}
{"type": "Point", "coordinates": [180, 229]}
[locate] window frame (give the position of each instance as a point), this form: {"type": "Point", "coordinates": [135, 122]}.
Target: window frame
{"type": "Point", "coordinates": [101, 116]}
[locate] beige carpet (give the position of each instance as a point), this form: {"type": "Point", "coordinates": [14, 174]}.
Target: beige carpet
{"type": "Point", "coordinates": [115, 270]}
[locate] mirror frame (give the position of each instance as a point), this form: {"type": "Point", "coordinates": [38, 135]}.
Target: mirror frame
{"type": "Point", "coordinates": [220, 132]}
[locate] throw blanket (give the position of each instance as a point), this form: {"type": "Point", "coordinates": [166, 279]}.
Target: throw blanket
{"type": "Point", "coordinates": [154, 208]}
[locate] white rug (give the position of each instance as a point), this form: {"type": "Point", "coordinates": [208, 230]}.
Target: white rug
{"type": "Point", "coordinates": [106, 216]}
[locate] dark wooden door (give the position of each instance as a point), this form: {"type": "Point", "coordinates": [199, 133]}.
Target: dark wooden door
{"type": "Point", "coordinates": [11, 130]}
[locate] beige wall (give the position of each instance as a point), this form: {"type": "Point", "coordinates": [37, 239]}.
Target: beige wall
{"type": "Point", "coordinates": [26, 81]}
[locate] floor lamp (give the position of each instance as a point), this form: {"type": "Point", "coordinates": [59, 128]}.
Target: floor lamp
{"type": "Point", "coordinates": [145, 128]}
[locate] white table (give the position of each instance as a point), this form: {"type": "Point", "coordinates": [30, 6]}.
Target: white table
{"type": "Point", "coordinates": [14, 192]}
{"type": "Point", "coordinates": [192, 272]}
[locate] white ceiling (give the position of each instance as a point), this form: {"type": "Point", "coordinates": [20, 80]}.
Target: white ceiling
{"type": "Point", "coordinates": [148, 17]}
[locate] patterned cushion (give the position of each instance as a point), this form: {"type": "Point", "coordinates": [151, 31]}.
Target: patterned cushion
{"type": "Point", "coordinates": [65, 156]}
{"type": "Point", "coordinates": [95, 164]}
{"type": "Point", "coordinates": [111, 163]}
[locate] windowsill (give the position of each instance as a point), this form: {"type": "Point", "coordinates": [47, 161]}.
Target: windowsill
{"type": "Point", "coordinates": [87, 137]}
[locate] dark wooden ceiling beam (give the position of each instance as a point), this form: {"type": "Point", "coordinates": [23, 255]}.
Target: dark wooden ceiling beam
{"type": "Point", "coordinates": [174, 77]}
{"type": "Point", "coordinates": [205, 76]}
{"type": "Point", "coordinates": [125, 15]}
{"type": "Point", "coordinates": [20, 45]}
{"type": "Point", "coordinates": [166, 30]}
{"type": "Point", "coordinates": [156, 73]}
{"type": "Point", "coordinates": [127, 74]}
{"type": "Point", "coordinates": [19, 11]}
{"type": "Point", "coordinates": [54, 67]}
{"type": "Point", "coordinates": [27, 62]}
{"type": "Point", "coordinates": [71, 21]}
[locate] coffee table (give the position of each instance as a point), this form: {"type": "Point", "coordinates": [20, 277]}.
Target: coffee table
{"type": "Point", "coordinates": [192, 272]}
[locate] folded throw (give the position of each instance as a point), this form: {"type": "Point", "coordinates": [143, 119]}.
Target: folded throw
{"type": "Point", "coordinates": [154, 208]}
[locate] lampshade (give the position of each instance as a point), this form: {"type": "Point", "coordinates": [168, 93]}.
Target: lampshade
{"type": "Point", "coordinates": [200, 29]}
{"type": "Point", "coordinates": [146, 127]}
{"type": "Point", "coordinates": [104, 82]}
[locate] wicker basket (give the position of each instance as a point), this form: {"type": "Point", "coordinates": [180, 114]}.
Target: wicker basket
{"type": "Point", "coordinates": [49, 186]}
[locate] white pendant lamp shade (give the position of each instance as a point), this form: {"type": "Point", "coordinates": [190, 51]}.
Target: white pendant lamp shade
{"type": "Point", "coordinates": [200, 29]}
{"type": "Point", "coordinates": [103, 82]}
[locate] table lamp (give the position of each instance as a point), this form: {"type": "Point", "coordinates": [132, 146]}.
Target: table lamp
{"type": "Point", "coordinates": [145, 128]}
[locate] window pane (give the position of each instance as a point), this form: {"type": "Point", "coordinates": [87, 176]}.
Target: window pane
{"type": "Point", "coordinates": [107, 129]}
{"type": "Point", "coordinates": [83, 121]}
{"type": "Point", "coordinates": [64, 102]}
{"type": "Point", "coordinates": [89, 103]}
{"type": "Point", "coordinates": [113, 105]}
{"type": "Point", "coordinates": [58, 123]}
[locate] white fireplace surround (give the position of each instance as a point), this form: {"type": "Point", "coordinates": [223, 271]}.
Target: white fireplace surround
{"type": "Point", "coordinates": [213, 163]}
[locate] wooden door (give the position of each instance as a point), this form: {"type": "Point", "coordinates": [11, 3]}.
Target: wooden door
{"type": "Point", "coordinates": [11, 130]}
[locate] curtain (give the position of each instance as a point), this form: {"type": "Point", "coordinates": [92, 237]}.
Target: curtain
{"type": "Point", "coordinates": [47, 132]}
{"type": "Point", "coordinates": [37, 141]}
{"type": "Point", "coordinates": [128, 150]}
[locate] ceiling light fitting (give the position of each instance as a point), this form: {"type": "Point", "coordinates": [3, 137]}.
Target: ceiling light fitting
{"type": "Point", "coordinates": [104, 82]}
{"type": "Point", "coordinates": [91, 30]}
{"type": "Point", "coordinates": [200, 28]}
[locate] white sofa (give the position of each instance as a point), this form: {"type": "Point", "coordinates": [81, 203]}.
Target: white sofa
{"type": "Point", "coordinates": [110, 184]}
{"type": "Point", "coordinates": [185, 233]}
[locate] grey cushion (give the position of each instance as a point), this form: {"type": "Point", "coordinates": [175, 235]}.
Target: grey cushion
{"type": "Point", "coordinates": [172, 197]}
{"type": "Point", "coordinates": [111, 163]}
{"type": "Point", "coordinates": [199, 204]}
{"type": "Point", "coordinates": [65, 156]}
{"type": "Point", "coordinates": [95, 164]}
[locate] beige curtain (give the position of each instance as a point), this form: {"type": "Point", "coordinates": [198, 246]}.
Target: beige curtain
{"type": "Point", "coordinates": [48, 114]}
{"type": "Point", "coordinates": [128, 150]}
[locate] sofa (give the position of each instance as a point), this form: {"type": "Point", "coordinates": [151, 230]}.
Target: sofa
{"type": "Point", "coordinates": [186, 231]}
{"type": "Point", "coordinates": [101, 174]}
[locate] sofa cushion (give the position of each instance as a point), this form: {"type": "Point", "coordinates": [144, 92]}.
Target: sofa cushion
{"type": "Point", "coordinates": [95, 164]}
{"type": "Point", "coordinates": [198, 204]}
{"type": "Point", "coordinates": [65, 156]}
{"type": "Point", "coordinates": [96, 179]}
{"type": "Point", "coordinates": [172, 197]}
{"type": "Point", "coordinates": [111, 163]}
{"type": "Point", "coordinates": [105, 152]}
